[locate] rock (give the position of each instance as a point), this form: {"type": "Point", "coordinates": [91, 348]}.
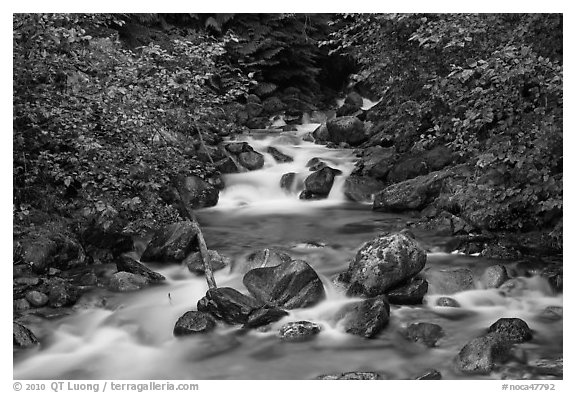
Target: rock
{"type": "Point", "coordinates": [321, 134]}
{"type": "Point", "coordinates": [60, 293]}
{"type": "Point", "coordinates": [126, 282]}
{"type": "Point", "coordinates": [413, 194]}
{"type": "Point", "coordinates": [196, 266]}
{"type": "Point", "coordinates": [46, 249]}
{"type": "Point", "coordinates": [318, 166]}
{"type": "Point", "coordinates": [128, 264]}
{"type": "Point", "coordinates": [253, 99]}
{"type": "Point", "coordinates": [552, 313]}
{"type": "Point", "coordinates": [308, 195]}
{"type": "Point", "coordinates": [251, 160]}
{"type": "Point", "coordinates": [287, 181]}
{"type": "Point", "coordinates": [273, 105]}
{"type": "Point", "coordinates": [352, 376]}
{"type": "Point", "coordinates": [197, 193]}
{"type": "Point", "coordinates": [348, 110]}
{"type": "Point", "coordinates": [410, 293]}
{"type": "Point", "coordinates": [172, 243]}
{"type": "Point", "coordinates": [449, 281]}
{"type": "Point", "coordinates": [430, 374]}
{"type": "Point", "coordinates": [447, 302]}
{"type": "Point", "coordinates": [253, 109]}
{"type": "Point", "coordinates": [21, 305]}
{"type": "Point", "coordinates": [494, 276]}
{"type": "Point", "coordinates": [366, 318]}
{"type": "Point", "coordinates": [278, 155]}
{"type": "Point", "coordinates": [554, 367]}
{"type": "Point", "coordinates": [513, 287]}
{"type": "Point", "coordinates": [193, 322]}
{"type": "Point", "coordinates": [299, 331]}
{"type": "Point", "coordinates": [238, 147]}
{"type": "Point", "coordinates": [226, 165]}
{"type": "Point", "coordinates": [36, 298]}
{"type": "Point", "coordinates": [266, 257]}
{"type": "Point", "coordinates": [500, 251]}
{"type": "Point", "coordinates": [425, 333]}
{"type": "Point", "coordinates": [346, 129]}
{"type": "Point", "coordinates": [407, 169]}
{"type": "Point", "coordinates": [354, 99]}
{"type": "Point", "coordinates": [361, 189]}
{"type": "Point", "coordinates": [514, 330]}
{"type": "Point", "coordinates": [481, 354]}
{"type": "Point", "coordinates": [377, 162]}
{"type": "Point", "coordinates": [289, 285]}
{"type": "Point", "coordinates": [383, 263]}
{"type": "Point", "coordinates": [228, 305]}
{"type": "Point", "coordinates": [264, 316]}
{"type": "Point", "coordinates": [22, 336]}
{"type": "Point", "coordinates": [321, 181]}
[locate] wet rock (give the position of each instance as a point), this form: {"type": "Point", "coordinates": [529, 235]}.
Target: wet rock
{"type": "Point", "coordinates": [410, 293]}
{"type": "Point", "coordinates": [430, 375]}
{"type": "Point", "coordinates": [413, 194]}
{"type": "Point", "coordinates": [352, 376]}
{"type": "Point", "coordinates": [61, 293]}
{"type": "Point", "coordinates": [407, 169]}
{"type": "Point", "coordinates": [494, 276]}
{"type": "Point", "coordinates": [171, 243]}
{"type": "Point", "coordinates": [266, 257]}
{"type": "Point", "coordinates": [500, 251]}
{"type": "Point", "coordinates": [278, 155]}
{"type": "Point", "coordinates": [264, 316]}
{"type": "Point", "coordinates": [226, 165]}
{"type": "Point", "coordinates": [346, 129]}
{"type": "Point", "coordinates": [377, 162]}
{"type": "Point", "coordinates": [22, 336]}
{"type": "Point", "coordinates": [310, 196]}
{"type": "Point", "coordinates": [361, 189]}
{"type": "Point", "coordinates": [238, 147]}
{"type": "Point", "coordinates": [197, 193]}
{"type": "Point", "coordinates": [126, 282]}
{"type": "Point", "coordinates": [196, 265]}
{"type": "Point", "coordinates": [425, 333]}
{"type": "Point", "coordinates": [320, 182]}
{"type": "Point", "coordinates": [317, 166]}
{"type": "Point", "coordinates": [46, 249]}
{"type": "Point", "coordinates": [130, 265]}
{"type": "Point", "coordinates": [36, 298]}
{"type": "Point", "coordinates": [449, 281]}
{"type": "Point", "coordinates": [366, 318]}
{"type": "Point", "coordinates": [321, 134]}
{"type": "Point", "coordinates": [447, 302]}
{"type": "Point", "coordinates": [481, 354]}
{"type": "Point", "coordinates": [287, 181]}
{"type": "Point", "coordinates": [228, 305]}
{"type": "Point", "coordinates": [552, 313]}
{"type": "Point", "coordinates": [513, 287]}
{"type": "Point", "coordinates": [354, 99]}
{"type": "Point", "coordinates": [383, 263]}
{"type": "Point", "coordinates": [251, 160]}
{"type": "Point", "coordinates": [299, 331]}
{"type": "Point", "coordinates": [289, 285]}
{"type": "Point", "coordinates": [514, 330]}
{"type": "Point", "coordinates": [193, 322]}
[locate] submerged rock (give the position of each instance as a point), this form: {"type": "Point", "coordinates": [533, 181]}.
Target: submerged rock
{"type": "Point", "coordinates": [447, 302]}
{"type": "Point", "coordinates": [383, 263]}
{"type": "Point", "coordinates": [352, 376]}
{"type": "Point", "coordinates": [511, 329]}
{"type": "Point", "coordinates": [481, 354]}
{"type": "Point", "coordinates": [449, 281]}
{"type": "Point", "coordinates": [299, 331]}
{"type": "Point", "coordinates": [266, 257]}
{"type": "Point", "coordinates": [193, 322]}
{"type": "Point", "coordinates": [290, 285]}
{"type": "Point", "coordinates": [196, 265]}
{"type": "Point", "coordinates": [127, 264]}
{"type": "Point", "coordinates": [228, 305]}
{"type": "Point", "coordinates": [171, 243]}
{"type": "Point", "coordinates": [425, 333]}
{"type": "Point", "coordinates": [366, 318]}
{"type": "Point", "coordinates": [278, 155]}
{"type": "Point", "coordinates": [287, 181]}
{"type": "Point", "coordinates": [22, 336]}
{"type": "Point", "coordinates": [410, 293]}
{"type": "Point", "coordinates": [126, 282]}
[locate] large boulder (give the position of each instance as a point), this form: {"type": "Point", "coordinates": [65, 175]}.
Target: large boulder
{"type": "Point", "coordinates": [366, 318]}
{"type": "Point", "coordinates": [289, 285]}
{"type": "Point", "coordinates": [361, 188]}
{"type": "Point", "coordinates": [320, 182]}
{"type": "Point", "coordinates": [196, 265]}
{"type": "Point", "coordinates": [172, 243]}
{"type": "Point", "coordinates": [451, 280]}
{"type": "Point", "coordinates": [251, 160]}
{"type": "Point", "coordinates": [127, 264]}
{"type": "Point", "coordinates": [197, 193]}
{"type": "Point", "coordinates": [193, 322]}
{"type": "Point", "coordinates": [228, 305]}
{"type": "Point", "coordinates": [22, 336]}
{"type": "Point", "coordinates": [413, 194]}
{"type": "Point", "coordinates": [346, 129]}
{"type": "Point", "coordinates": [481, 354]}
{"type": "Point", "coordinates": [411, 292]}
{"type": "Point", "coordinates": [514, 330]}
{"type": "Point", "coordinates": [266, 257]}
{"type": "Point", "coordinates": [383, 263]}
{"type": "Point", "coordinates": [127, 282]}
{"type": "Point", "coordinates": [299, 331]}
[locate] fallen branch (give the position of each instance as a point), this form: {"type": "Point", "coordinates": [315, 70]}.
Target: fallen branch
{"type": "Point", "coordinates": [189, 216]}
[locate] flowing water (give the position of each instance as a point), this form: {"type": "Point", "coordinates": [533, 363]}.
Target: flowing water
{"type": "Point", "coordinates": [131, 336]}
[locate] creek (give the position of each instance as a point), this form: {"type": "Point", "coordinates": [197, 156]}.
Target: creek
{"type": "Point", "coordinates": [130, 337]}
